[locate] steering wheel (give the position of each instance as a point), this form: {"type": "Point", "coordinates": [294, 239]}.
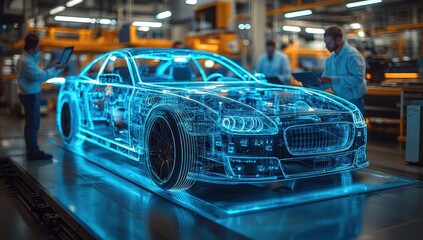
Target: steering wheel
{"type": "Point", "coordinates": [214, 77]}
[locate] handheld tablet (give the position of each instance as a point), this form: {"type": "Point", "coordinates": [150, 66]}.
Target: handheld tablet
{"type": "Point", "coordinates": [308, 79]}
{"type": "Point", "coordinates": [274, 80]}
{"type": "Point", "coordinates": [66, 53]}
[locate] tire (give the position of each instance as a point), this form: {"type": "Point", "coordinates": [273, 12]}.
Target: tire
{"type": "Point", "coordinates": [171, 152]}
{"type": "Point", "coordinates": [68, 122]}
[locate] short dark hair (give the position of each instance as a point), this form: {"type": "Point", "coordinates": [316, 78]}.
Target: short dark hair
{"type": "Point", "coordinates": [270, 43]}
{"type": "Point", "coordinates": [31, 41]}
{"type": "Point", "coordinates": [334, 32]}
{"type": "Point", "coordinates": [177, 44]}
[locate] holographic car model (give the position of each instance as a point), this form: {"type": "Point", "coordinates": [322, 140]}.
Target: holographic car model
{"type": "Point", "coordinates": [197, 116]}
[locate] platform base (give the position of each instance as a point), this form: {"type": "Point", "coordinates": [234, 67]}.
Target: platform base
{"type": "Point", "coordinates": [86, 185]}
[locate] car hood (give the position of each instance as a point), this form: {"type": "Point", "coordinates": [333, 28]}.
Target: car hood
{"type": "Point", "coordinates": [268, 99]}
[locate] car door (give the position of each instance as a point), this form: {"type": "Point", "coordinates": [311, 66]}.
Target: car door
{"type": "Point", "coordinates": [113, 94]}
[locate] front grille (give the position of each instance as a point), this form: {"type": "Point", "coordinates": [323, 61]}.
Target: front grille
{"type": "Point", "coordinates": [304, 166]}
{"type": "Point", "coordinates": [320, 138]}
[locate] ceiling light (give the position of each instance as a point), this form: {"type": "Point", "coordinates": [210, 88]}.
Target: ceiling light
{"type": "Point", "coordinates": [298, 13]}
{"type": "Point", "coordinates": [73, 19]}
{"type": "Point", "coordinates": [361, 34]}
{"type": "Point", "coordinates": [72, 3]}
{"type": "Point", "coordinates": [147, 24]}
{"type": "Point", "coordinates": [143, 29]}
{"type": "Point", "coordinates": [164, 15]}
{"type": "Point", "coordinates": [105, 21]}
{"type": "Point", "coordinates": [362, 3]}
{"type": "Point", "coordinates": [191, 2]}
{"type": "Point", "coordinates": [291, 29]}
{"type": "Point", "coordinates": [315, 30]}
{"type": "Point", "coordinates": [243, 26]}
{"type": "Point", "coordinates": [355, 25]}
{"type": "Point", "coordinates": [57, 10]}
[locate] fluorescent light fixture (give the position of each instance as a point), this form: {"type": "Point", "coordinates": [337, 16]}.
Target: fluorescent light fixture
{"type": "Point", "coordinates": [355, 25]}
{"type": "Point", "coordinates": [164, 15]}
{"type": "Point", "coordinates": [191, 2]}
{"type": "Point", "coordinates": [143, 29]}
{"type": "Point", "coordinates": [72, 3]}
{"type": "Point", "coordinates": [361, 34]}
{"type": "Point", "coordinates": [315, 30]}
{"type": "Point", "coordinates": [105, 21]}
{"type": "Point", "coordinates": [298, 13]}
{"type": "Point", "coordinates": [73, 19]}
{"type": "Point", "coordinates": [147, 24]}
{"type": "Point", "coordinates": [362, 3]}
{"type": "Point", "coordinates": [291, 29]}
{"type": "Point", "coordinates": [243, 26]}
{"type": "Point", "coordinates": [209, 63]}
{"type": "Point", "coordinates": [180, 59]}
{"type": "Point", "coordinates": [57, 10]}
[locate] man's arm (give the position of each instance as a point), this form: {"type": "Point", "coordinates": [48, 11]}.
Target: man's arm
{"type": "Point", "coordinates": [285, 69]}
{"type": "Point", "coordinates": [32, 71]}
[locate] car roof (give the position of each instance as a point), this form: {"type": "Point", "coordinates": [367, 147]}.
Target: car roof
{"type": "Point", "coordinates": [166, 51]}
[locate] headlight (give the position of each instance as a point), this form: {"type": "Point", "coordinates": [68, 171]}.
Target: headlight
{"type": "Point", "coordinates": [359, 120]}
{"type": "Point", "coordinates": [248, 125]}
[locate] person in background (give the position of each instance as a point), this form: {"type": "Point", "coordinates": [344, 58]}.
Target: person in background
{"type": "Point", "coordinates": [30, 76]}
{"type": "Point", "coordinates": [345, 69]}
{"type": "Point", "coordinates": [178, 44]}
{"type": "Point", "coordinates": [274, 64]}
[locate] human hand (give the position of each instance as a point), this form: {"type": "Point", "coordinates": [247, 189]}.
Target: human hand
{"type": "Point", "coordinates": [58, 65]}
{"type": "Point", "coordinates": [326, 80]}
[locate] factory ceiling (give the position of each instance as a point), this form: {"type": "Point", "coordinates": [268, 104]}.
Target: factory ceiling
{"type": "Point", "coordinates": [388, 12]}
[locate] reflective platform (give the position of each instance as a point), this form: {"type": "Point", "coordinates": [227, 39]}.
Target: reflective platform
{"type": "Point", "coordinates": [216, 200]}
{"type": "Point", "coordinates": [121, 203]}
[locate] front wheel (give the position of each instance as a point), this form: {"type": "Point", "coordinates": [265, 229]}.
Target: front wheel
{"type": "Point", "coordinates": [171, 151]}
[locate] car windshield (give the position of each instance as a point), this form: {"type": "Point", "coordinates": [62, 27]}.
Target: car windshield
{"type": "Point", "coordinates": [192, 67]}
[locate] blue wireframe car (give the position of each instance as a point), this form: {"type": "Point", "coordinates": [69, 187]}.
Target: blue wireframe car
{"type": "Point", "coordinates": [198, 116]}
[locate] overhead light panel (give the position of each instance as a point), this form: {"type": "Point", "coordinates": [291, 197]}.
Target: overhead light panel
{"type": "Point", "coordinates": [243, 26]}
{"type": "Point", "coordinates": [191, 2]}
{"type": "Point", "coordinates": [147, 24]}
{"type": "Point", "coordinates": [74, 19]}
{"type": "Point", "coordinates": [72, 3]}
{"type": "Point", "coordinates": [291, 29]}
{"type": "Point", "coordinates": [164, 15]}
{"type": "Point", "coordinates": [362, 3]}
{"type": "Point", "coordinates": [105, 21]}
{"type": "Point", "coordinates": [298, 13]}
{"type": "Point", "coordinates": [355, 25]}
{"type": "Point", "coordinates": [57, 10]}
{"type": "Point", "coordinates": [315, 30]}
{"type": "Point", "coordinates": [361, 34]}
{"type": "Point", "coordinates": [143, 29]}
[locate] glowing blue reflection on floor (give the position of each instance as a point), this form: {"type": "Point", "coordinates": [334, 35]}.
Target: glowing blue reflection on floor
{"type": "Point", "coordinates": [217, 201]}
{"type": "Point", "coordinates": [113, 208]}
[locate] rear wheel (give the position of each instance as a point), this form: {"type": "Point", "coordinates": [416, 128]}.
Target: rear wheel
{"type": "Point", "coordinates": [171, 152]}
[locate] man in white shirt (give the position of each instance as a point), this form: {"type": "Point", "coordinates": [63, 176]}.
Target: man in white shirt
{"type": "Point", "coordinates": [345, 69]}
{"type": "Point", "coordinates": [274, 64]}
{"type": "Point", "coordinates": [30, 77]}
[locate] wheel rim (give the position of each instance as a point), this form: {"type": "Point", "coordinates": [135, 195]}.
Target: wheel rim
{"type": "Point", "coordinates": [65, 120]}
{"type": "Point", "coordinates": [161, 150]}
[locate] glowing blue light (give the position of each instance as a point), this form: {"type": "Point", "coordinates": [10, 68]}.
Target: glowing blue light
{"type": "Point", "coordinates": [207, 122]}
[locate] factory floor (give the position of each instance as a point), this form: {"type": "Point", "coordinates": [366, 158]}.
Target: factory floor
{"type": "Point", "coordinates": [391, 213]}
